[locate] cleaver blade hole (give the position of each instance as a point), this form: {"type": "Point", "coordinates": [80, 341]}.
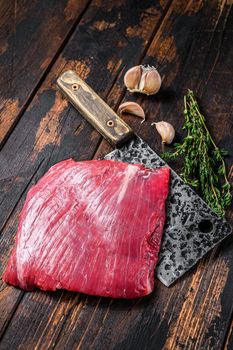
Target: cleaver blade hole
{"type": "Point", "coordinates": [205, 226]}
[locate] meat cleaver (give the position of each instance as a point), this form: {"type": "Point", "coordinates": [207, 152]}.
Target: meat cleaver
{"type": "Point", "coordinates": [192, 228]}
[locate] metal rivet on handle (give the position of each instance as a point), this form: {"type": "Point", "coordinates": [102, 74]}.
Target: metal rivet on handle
{"type": "Point", "coordinates": [110, 123]}
{"type": "Point", "coordinates": [75, 87]}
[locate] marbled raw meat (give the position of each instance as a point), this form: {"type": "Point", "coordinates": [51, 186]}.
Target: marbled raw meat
{"type": "Point", "coordinates": [93, 227]}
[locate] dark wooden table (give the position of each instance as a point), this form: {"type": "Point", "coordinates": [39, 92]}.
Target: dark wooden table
{"type": "Point", "coordinates": [191, 44]}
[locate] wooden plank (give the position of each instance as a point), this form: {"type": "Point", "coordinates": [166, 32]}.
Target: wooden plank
{"type": "Point", "coordinates": [190, 314]}
{"type": "Point", "coordinates": [32, 33]}
{"type": "Point", "coordinates": [50, 130]}
{"type": "Point", "coordinates": [229, 340]}
{"type": "Point", "coordinates": [203, 290]}
{"type": "Point", "coordinates": [44, 125]}
{"type": "Point", "coordinates": [201, 322]}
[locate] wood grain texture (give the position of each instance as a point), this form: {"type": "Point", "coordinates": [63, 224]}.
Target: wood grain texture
{"type": "Point", "coordinates": [229, 340]}
{"type": "Point", "coordinates": [50, 130]}
{"type": "Point", "coordinates": [191, 46]}
{"type": "Point", "coordinates": [32, 32]}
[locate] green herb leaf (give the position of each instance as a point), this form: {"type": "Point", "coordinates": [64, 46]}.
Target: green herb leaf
{"type": "Point", "coordinates": [203, 164]}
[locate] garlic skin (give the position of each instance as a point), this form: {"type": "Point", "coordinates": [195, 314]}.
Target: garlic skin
{"type": "Point", "coordinates": [143, 79]}
{"type": "Point", "coordinates": [132, 78]}
{"type": "Point", "coordinates": [166, 131]}
{"type": "Point", "coordinates": [132, 108]}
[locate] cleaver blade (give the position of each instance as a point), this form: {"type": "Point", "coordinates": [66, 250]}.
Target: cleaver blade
{"type": "Point", "coordinates": [192, 228]}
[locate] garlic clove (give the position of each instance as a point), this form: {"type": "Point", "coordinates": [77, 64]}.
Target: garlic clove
{"type": "Point", "coordinates": [152, 82]}
{"type": "Point", "coordinates": [143, 79]}
{"type": "Point", "coordinates": [132, 108]}
{"type": "Point", "coordinates": [166, 131]}
{"type": "Point", "coordinates": [132, 78]}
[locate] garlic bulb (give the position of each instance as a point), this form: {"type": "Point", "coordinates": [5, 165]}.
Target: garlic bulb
{"type": "Point", "coordinates": [166, 131]}
{"type": "Point", "coordinates": [143, 79]}
{"type": "Point", "coordinates": [132, 108]}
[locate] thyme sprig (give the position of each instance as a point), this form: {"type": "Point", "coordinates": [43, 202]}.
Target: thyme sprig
{"type": "Point", "coordinates": [203, 162]}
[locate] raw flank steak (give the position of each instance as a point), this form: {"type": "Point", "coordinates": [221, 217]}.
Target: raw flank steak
{"type": "Point", "coordinates": [93, 227]}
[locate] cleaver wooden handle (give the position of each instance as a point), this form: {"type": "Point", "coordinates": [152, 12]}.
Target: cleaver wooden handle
{"type": "Point", "coordinates": [94, 109]}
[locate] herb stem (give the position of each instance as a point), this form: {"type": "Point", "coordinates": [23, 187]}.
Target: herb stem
{"type": "Point", "coordinates": [202, 158]}
{"type": "Point", "coordinates": [208, 133]}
